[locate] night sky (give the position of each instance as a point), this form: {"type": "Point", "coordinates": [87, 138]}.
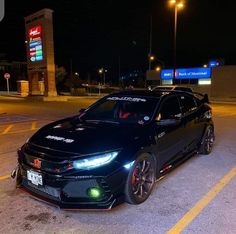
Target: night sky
{"type": "Point", "coordinates": [96, 33]}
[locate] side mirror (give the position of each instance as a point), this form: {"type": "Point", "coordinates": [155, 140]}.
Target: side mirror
{"type": "Point", "coordinates": [81, 111]}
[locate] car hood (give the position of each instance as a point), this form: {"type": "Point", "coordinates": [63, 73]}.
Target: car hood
{"type": "Point", "coordinates": [86, 137]}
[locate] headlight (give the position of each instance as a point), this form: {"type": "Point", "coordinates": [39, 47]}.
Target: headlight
{"type": "Point", "coordinates": [96, 161]}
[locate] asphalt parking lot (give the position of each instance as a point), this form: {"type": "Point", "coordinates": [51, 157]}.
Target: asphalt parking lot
{"type": "Point", "coordinates": [197, 197]}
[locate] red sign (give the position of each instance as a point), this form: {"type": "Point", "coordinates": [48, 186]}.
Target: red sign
{"type": "Point", "coordinates": [7, 76]}
{"type": "Point", "coordinates": [35, 31]}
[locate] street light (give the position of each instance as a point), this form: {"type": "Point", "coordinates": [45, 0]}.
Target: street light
{"type": "Point", "coordinates": [103, 71]}
{"type": "Point", "coordinates": [151, 59]}
{"type": "Point", "coordinates": [178, 5]}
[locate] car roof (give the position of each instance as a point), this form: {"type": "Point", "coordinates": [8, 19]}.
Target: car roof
{"type": "Point", "coordinates": [172, 87]}
{"type": "Point", "coordinates": [149, 93]}
{"type": "Point", "coordinates": [141, 93]}
{"type": "Point", "coordinates": [159, 94]}
{"type": "Point", "coordinates": [166, 86]}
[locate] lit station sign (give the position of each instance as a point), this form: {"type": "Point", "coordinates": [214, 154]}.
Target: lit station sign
{"type": "Point", "coordinates": [35, 44]}
{"type": "Point", "coordinates": [186, 73]}
{"type": "Point", "coordinates": [213, 63]}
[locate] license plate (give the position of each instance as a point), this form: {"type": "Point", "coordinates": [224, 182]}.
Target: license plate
{"type": "Point", "coordinates": [35, 178]}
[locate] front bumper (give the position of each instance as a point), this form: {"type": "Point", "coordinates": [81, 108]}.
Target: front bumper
{"type": "Point", "coordinates": [71, 192]}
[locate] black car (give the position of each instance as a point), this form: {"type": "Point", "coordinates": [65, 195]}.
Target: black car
{"type": "Point", "coordinates": [115, 150]}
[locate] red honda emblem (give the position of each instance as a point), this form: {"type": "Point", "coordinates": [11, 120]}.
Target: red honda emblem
{"type": "Point", "coordinates": [37, 163]}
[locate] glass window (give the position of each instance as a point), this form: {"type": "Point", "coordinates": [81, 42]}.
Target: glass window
{"type": "Point", "coordinates": [184, 89]}
{"type": "Point", "coordinates": [105, 110]}
{"type": "Point", "coordinates": [132, 109]}
{"type": "Point", "coordinates": [170, 109]}
{"type": "Point", "coordinates": [188, 104]}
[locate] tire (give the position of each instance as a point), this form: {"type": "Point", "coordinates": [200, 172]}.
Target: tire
{"type": "Point", "coordinates": [207, 141]}
{"type": "Point", "coordinates": [141, 179]}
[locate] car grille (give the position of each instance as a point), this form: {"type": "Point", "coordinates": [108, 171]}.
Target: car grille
{"type": "Point", "coordinates": [45, 162]}
{"type": "Point", "coordinates": [53, 192]}
{"type": "Point", "coordinates": [78, 188]}
{"type": "Point", "coordinates": [70, 191]}
{"type": "Point", "coordinates": [46, 165]}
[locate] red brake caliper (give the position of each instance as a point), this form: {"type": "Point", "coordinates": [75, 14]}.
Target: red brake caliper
{"type": "Point", "coordinates": [134, 176]}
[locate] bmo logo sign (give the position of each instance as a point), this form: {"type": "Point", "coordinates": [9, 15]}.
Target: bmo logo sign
{"type": "Point", "coordinates": [2, 8]}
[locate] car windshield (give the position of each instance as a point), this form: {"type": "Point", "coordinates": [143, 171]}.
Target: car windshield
{"type": "Point", "coordinates": [122, 109]}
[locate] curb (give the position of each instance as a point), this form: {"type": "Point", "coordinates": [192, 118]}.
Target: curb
{"type": "Point", "coordinates": [50, 99]}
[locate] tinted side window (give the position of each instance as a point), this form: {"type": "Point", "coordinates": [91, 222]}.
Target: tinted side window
{"type": "Point", "coordinates": [198, 102]}
{"type": "Point", "coordinates": [183, 89]}
{"type": "Point", "coordinates": [170, 109]}
{"type": "Point", "coordinates": [188, 103]}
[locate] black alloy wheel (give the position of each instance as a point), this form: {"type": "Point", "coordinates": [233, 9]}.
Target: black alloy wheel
{"type": "Point", "coordinates": [141, 179]}
{"type": "Point", "coordinates": [207, 141]}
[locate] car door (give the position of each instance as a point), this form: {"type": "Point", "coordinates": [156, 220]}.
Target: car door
{"type": "Point", "coordinates": [190, 121]}
{"type": "Point", "coordinates": [169, 140]}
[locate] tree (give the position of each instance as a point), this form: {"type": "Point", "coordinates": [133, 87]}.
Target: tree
{"type": "Point", "coordinates": [60, 78]}
{"type": "Point", "coordinates": [60, 74]}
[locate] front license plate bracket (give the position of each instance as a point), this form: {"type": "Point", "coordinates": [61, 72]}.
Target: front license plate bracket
{"type": "Point", "coordinates": [35, 177]}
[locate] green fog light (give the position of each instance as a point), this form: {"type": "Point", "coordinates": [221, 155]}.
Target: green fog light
{"type": "Point", "coordinates": [94, 192]}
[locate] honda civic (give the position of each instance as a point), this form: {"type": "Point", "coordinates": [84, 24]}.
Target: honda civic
{"type": "Point", "coordinates": [115, 150]}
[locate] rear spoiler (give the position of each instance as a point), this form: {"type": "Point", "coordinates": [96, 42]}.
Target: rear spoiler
{"type": "Point", "coordinates": [203, 97]}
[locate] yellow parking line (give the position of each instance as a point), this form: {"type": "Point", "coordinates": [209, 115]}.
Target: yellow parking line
{"type": "Point", "coordinates": [8, 129]}
{"type": "Point", "coordinates": [202, 203]}
{"type": "Point", "coordinates": [25, 130]}
{"type": "Point", "coordinates": [33, 126]}
{"type": "Point", "coordinates": [4, 177]}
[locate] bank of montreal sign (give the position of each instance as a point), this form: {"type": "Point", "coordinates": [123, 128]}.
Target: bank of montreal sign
{"type": "Point", "coordinates": [187, 73]}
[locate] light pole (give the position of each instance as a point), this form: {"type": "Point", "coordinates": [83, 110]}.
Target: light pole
{"type": "Point", "coordinates": [178, 4]}
{"type": "Point", "coordinates": [150, 57]}
{"type": "Point", "coordinates": [71, 71]}
{"type": "Point", "coordinates": [103, 71]}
